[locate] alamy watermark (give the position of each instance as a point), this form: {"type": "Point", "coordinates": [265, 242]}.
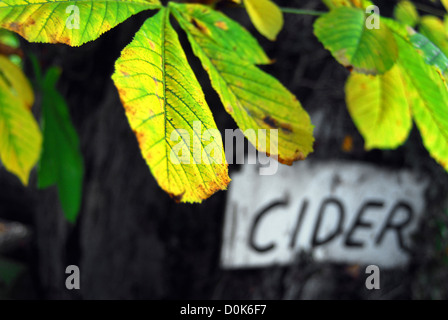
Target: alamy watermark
{"type": "Point", "coordinates": [73, 281]}
{"type": "Point", "coordinates": [73, 19]}
{"type": "Point", "coordinates": [373, 280]}
{"type": "Point", "coordinates": [373, 21]}
{"type": "Point", "coordinates": [200, 146]}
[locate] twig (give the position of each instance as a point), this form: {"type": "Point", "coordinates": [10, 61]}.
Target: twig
{"type": "Point", "coordinates": [302, 11]}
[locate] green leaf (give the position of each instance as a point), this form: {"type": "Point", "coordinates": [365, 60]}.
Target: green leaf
{"type": "Point", "coordinates": [406, 13]}
{"type": "Point", "coordinates": [344, 33]}
{"type": "Point", "coordinates": [434, 29]}
{"type": "Point", "coordinates": [70, 22]}
{"type": "Point", "coordinates": [9, 39]}
{"type": "Point", "coordinates": [168, 113]}
{"type": "Point", "coordinates": [20, 137]}
{"type": "Point", "coordinates": [61, 162]}
{"type": "Point", "coordinates": [429, 100]}
{"type": "Point", "coordinates": [379, 108]}
{"type": "Point", "coordinates": [225, 32]}
{"type": "Point", "coordinates": [266, 17]}
{"type": "Point", "coordinates": [255, 99]}
{"type": "Point", "coordinates": [429, 51]}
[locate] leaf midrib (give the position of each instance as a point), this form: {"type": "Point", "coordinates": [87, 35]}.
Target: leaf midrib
{"type": "Point", "coordinates": [164, 20]}
{"type": "Point", "coordinates": [358, 41]}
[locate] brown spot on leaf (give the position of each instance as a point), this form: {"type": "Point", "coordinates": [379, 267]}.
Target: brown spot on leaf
{"type": "Point", "coordinates": [222, 182]}
{"type": "Point", "coordinates": [286, 127]}
{"type": "Point", "coordinates": [122, 93]}
{"type": "Point", "coordinates": [140, 137]}
{"type": "Point", "coordinates": [202, 189]}
{"type": "Point", "coordinates": [178, 197]}
{"type": "Point", "coordinates": [53, 38]}
{"type": "Point", "coordinates": [14, 26]}
{"type": "Point", "coordinates": [126, 53]}
{"type": "Point", "coordinates": [66, 40]}
{"type": "Point", "coordinates": [222, 25]}
{"type": "Point", "coordinates": [349, 68]}
{"type": "Point", "coordinates": [201, 26]}
{"type": "Point", "coordinates": [130, 110]}
{"type": "Point", "coordinates": [152, 45]}
{"type": "Point", "coordinates": [229, 108]}
{"type": "Point", "coordinates": [289, 161]}
{"type": "Point", "coordinates": [271, 122]}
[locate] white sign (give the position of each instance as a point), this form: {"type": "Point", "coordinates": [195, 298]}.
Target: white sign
{"type": "Point", "coordinates": [341, 212]}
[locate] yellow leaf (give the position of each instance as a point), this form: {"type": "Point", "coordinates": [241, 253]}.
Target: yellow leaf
{"type": "Point", "coordinates": [20, 137]}
{"type": "Point", "coordinates": [406, 12]}
{"type": "Point", "coordinates": [379, 108]}
{"type": "Point", "coordinates": [167, 111]}
{"type": "Point", "coordinates": [266, 17]}
{"type": "Point", "coordinates": [70, 22]}
{"type": "Point", "coordinates": [445, 4]}
{"type": "Point", "coordinates": [19, 85]}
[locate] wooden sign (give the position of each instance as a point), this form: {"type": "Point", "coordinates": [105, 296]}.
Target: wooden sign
{"type": "Point", "coordinates": [341, 212]}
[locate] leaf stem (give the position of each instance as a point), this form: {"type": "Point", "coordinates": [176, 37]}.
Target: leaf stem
{"type": "Point", "coordinates": [302, 11]}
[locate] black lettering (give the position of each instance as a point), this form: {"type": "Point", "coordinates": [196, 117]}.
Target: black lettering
{"type": "Point", "coordinates": [360, 223]}
{"type": "Point", "coordinates": [302, 213]}
{"type": "Point", "coordinates": [330, 201]}
{"type": "Point", "coordinates": [257, 220]}
{"type": "Point", "coordinates": [398, 227]}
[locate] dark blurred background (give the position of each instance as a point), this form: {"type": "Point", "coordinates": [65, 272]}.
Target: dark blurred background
{"type": "Point", "coordinates": [132, 241]}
